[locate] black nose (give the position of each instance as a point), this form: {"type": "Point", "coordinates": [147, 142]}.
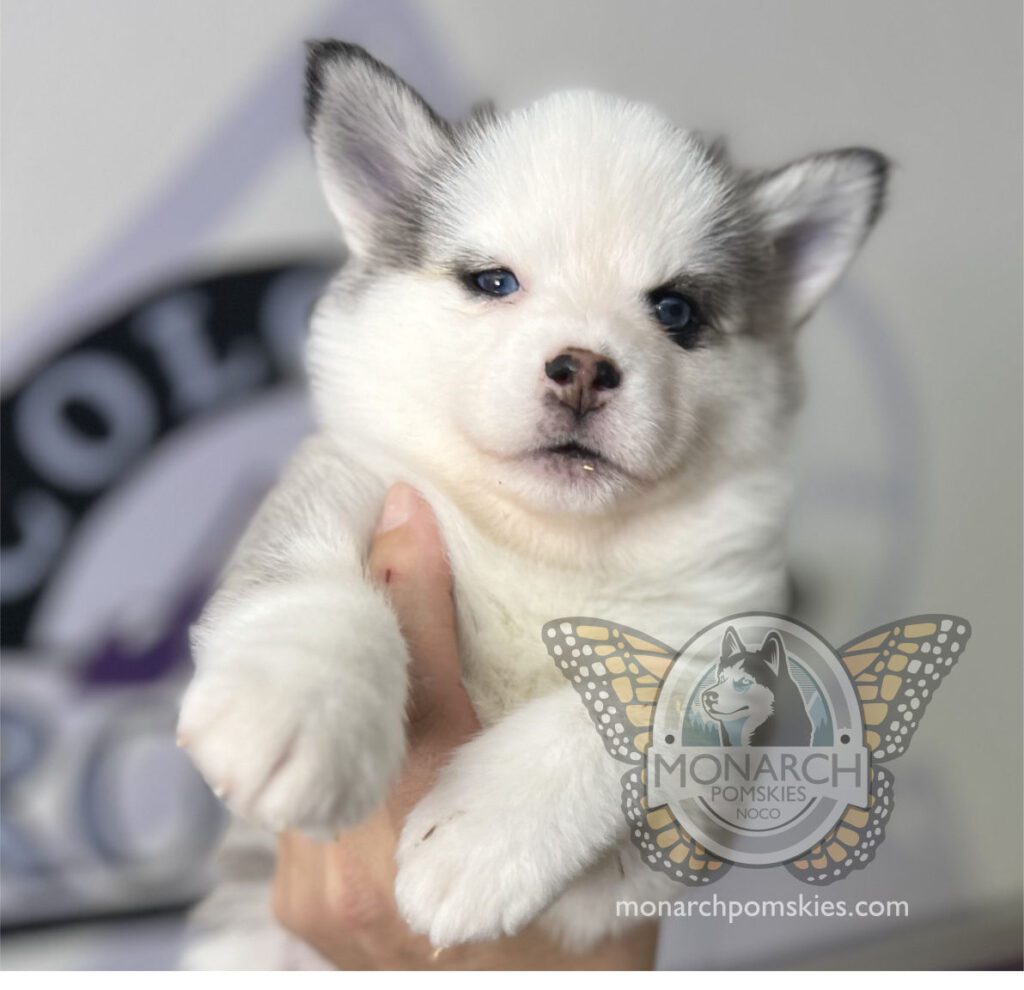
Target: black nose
{"type": "Point", "coordinates": [579, 377]}
{"type": "Point", "coordinates": [711, 698]}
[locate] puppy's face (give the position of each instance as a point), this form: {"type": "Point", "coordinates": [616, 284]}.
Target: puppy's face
{"type": "Point", "coordinates": [569, 305]}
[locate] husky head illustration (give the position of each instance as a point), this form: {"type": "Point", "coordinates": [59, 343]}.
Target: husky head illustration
{"type": "Point", "coordinates": [566, 308]}
{"type": "Point", "coordinates": [754, 698]}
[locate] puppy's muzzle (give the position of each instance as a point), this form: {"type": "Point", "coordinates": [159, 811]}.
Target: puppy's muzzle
{"type": "Point", "coordinates": [581, 380]}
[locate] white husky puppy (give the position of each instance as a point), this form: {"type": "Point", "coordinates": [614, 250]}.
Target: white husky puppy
{"type": "Point", "coordinates": [572, 328]}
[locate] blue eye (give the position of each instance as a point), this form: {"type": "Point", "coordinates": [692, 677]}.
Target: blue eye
{"type": "Point", "coordinates": [672, 310]}
{"type": "Point", "coordinates": [495, 282]}
{"type": "Point", "coordinates": [677, 314]}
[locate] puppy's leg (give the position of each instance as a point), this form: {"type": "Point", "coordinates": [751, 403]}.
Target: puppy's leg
{"type": "Point", "coordinates": [520, 811]}
{"type": "Point", "coordinates": [296, 713]}
{"type": "Point", "coordinates": [606, 900]}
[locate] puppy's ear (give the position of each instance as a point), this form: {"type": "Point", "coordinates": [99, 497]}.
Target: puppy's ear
{"type": "Point", "coordinates": [773, 652]}
{"type": "Point", "coordinates": [373, 138]}
{"type": "Point", "coordinates": [817, 212]}
{"type": "Point", "coordinates": [731, 643]}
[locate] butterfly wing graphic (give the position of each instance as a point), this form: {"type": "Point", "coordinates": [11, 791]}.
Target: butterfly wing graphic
{"type": "Point", "coordinates": [896, 670]}
{"type": "Point", "coordinates": [663, 843]}
{"type": "Point", "coordinates": [852, 843]}
{"type": "Point", "coordinates": [617, 672]}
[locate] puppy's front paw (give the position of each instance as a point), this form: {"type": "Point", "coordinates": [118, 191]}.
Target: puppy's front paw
{"type": "Point", "coordinates": [467, 871]}
{"type": "Point", "coordinates": [298, 737]}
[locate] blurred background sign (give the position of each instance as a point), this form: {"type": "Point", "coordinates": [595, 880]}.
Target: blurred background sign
{"type": "Point", "coordinates": [131, 458]}
{"type": "Point", "coordinates": [134, 450]}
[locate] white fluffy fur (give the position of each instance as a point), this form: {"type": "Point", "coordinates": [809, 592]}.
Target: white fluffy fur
{"type": "Point", "coordinates": [296, 710]}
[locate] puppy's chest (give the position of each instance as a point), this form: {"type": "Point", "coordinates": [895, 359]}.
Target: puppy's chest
{"type": "Point", "coordinates": [504, 661]}
{"type": "Point", "coordinates": [503, 609]}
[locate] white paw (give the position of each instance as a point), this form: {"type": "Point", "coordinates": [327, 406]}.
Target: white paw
{"type": "Point", "coordinates": [467, 870]}
{"type": "Point", "coordinates": [298, 722]}
{"type": "Point", "coordinates": [286, 755]}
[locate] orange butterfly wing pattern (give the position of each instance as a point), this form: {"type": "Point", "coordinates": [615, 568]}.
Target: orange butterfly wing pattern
{"type": "Point", "coordinates": [897, 669]}
{"type": "Point", "coordinates": [663, 843]}
{"type": "Point", "coordinates": [852, 843]}
{"type": "Point", "coordinates": [617, 672]}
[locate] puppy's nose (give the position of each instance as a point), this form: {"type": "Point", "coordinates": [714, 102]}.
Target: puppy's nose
{"type": "Point", "coordinates": [578, 378]}
{"type": "Point", "coordinates": [711, 698]}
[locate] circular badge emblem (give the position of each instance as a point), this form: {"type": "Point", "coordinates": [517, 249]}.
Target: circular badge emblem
{"type": "Point", "coordinates": [757, 744]}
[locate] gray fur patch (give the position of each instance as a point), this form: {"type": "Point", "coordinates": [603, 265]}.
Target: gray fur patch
{"type": "Point", "coordinates": [381, 141]}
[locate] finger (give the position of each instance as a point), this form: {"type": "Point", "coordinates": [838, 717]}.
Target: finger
{"type": "Point", "coordinates": [299, 883]}
{"type": "Point", "coordinates": [407, 557]}
{"type": "Point", "coordinates": [324, 891]}
{"type": "Point", "coordinates": [363, 861]}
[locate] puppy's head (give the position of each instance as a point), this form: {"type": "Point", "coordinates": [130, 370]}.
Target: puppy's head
{"type": "Point", "coordinates": [570, 305]}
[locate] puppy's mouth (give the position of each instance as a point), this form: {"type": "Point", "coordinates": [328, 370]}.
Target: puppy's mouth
{"type": "Point", "coordinates": [575, 461]}
{"type": "Point", "coordinates": [576, 451]}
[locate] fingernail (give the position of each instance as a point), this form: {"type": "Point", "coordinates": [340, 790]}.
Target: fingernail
{"type": "Point", "coordinates": [399, 505]}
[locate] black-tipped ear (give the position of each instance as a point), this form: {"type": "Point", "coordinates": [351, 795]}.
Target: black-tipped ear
{"type": "Point", "coordinates": [817, 212]}
{"type": "Point", "coordinates": [731, 644]}
{"type": "Point", "coordinates": [373, 139]}
{"type": "Point", "coordinates": [773, 652]}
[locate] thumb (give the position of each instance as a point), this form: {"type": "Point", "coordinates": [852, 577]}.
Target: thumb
{"type": "Point", "coordinates": [407, 558]}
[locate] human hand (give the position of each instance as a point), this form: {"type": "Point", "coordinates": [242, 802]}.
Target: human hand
{"type": "Point", "coordinates": [339, 896]}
